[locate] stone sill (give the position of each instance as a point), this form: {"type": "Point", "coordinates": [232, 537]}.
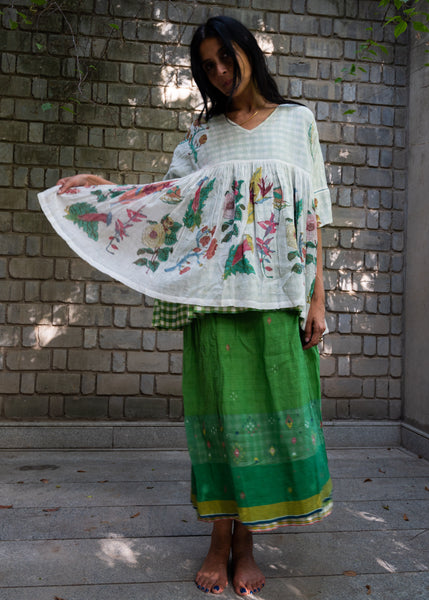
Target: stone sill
{"type": "Point", "coordinates": [167, 436]}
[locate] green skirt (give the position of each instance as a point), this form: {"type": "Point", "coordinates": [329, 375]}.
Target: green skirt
{"type": "Point", "coordinates": [253, 421]}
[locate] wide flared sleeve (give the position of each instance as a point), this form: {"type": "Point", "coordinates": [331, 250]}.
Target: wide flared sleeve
{"type": "Point", "coordinates": [320, 190]}
{"type": "Point", "coordinates": [182, 163]}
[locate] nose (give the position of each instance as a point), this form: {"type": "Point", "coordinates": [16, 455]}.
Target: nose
{"type": "Point", "coordinates": [221, 68]}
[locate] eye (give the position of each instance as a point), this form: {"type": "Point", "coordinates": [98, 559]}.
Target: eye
{"type": "Point", "coordinates": [208, 67]}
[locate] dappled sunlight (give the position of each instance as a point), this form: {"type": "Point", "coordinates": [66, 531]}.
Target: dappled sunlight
{"type": "Point", "coordinates": [116, 549]}
{"type": "Point", "coordinates": [47, 333]}
{"type": "Point", "coordinates": [367, 282]}
{"type": "Point", "coordinates": [385, 565]}
{"type": "Point", "coordinates": [366, 516]}
{"type": "Point", "coordinates": [330, 173]}
{"type": "Point", "coordinates": [265, 43]}
{"type": "Point", "coordinates": [172, 94]}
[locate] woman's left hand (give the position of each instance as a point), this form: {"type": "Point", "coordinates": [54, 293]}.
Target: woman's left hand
{"type": "Point", "coordinates": [315, 325]}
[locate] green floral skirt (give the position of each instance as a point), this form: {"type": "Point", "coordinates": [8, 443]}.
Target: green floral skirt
{"type": "Point", "coordinates": [253, 420]}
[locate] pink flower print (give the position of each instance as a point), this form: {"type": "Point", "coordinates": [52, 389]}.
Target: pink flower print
{"type": "Point", "coordinates": [270, 226]}
{"type": "Point", "coordinates": [264, 188]}
{"type": "Point", "coordinates": [263, 247]}
{"type": "Point", "coordinates": [236, 452]}
{"type": "Point", "coordinates": [241, 249]}
{"type": "Point", "coordinates": [311, 228]}
{"type": "Point", "coordinates": [294, 440]}
{"type": "Point", "coordinates": [242, 495]}
{"type": "Point", "coordinates": [211, 249]}
{"type": "Point", "coordinates": [205, 240]}
{"type": "Point", "coordinates": [229, 207]}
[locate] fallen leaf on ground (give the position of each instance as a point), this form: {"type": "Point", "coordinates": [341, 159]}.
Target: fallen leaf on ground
{"type": "Point", "coordinates": [19, 482]}
{"type": "Point", "coordinates": [367, 479]}
{"type": "Point", "coordinates": [51, 509]}
{"type": "Point", "coordinates": [386, 507]}
{"type": "Point", "coordinates": [103, 481]}
{"type": "Point", "coordinates": [405, 517]}
{"type": "Point", "coordinates": [6, 505]}
{"type": "Point", "coordinates": [58, 598]}
{"type": "Point", "coordinates": [368, 588]}
{"type": "Point", "coordinates": [184, 521]}
{"type": "Point", "coordinates": [134, 516]}
{"type": "Point", "coordinates": [81, 471]}
{"type": "Point", "coordinates": [44, 480]}
{"type": "Point", "coordinates": [426, 488]}
{"type": "Point", "coordinates": [381, 471]}
{"type": "Point", "coordinates": [149, 487]}
{"type": "Point", "coordinates": [350, 573]}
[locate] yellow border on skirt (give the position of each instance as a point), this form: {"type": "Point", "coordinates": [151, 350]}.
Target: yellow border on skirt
{"type": "Point", "coordinates": [281, 511]}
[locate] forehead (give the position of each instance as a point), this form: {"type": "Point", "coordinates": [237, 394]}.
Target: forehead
{"type": "Point", "coordinates": [210, 47]}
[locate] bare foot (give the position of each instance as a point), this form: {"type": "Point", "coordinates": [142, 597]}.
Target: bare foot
{"type": "Point", "coordinates": [213, 576]}
{"type": "Point", "coordinates": [248, 578]}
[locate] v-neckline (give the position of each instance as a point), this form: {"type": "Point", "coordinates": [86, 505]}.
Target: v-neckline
{"type": "Point", "coordinates": [257, 126]}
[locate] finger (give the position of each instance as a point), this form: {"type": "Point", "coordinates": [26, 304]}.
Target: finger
{"type": "Point", "coordinates": [66, 184]}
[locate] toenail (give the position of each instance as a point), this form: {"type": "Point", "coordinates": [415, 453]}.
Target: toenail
{"type": "Point", "coordinates": [216, 588]}
{"type": "Point", "coordinates": [199, 587]}
{"type": "Point", "coordinates": [243, 590]}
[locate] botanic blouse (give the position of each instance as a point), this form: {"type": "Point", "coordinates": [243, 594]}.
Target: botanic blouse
{"type": "Point", "coordinates": [232, 226]}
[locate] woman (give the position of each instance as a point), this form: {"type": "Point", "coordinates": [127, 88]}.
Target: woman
{"type": "Point", "coordinates": [230, 246]}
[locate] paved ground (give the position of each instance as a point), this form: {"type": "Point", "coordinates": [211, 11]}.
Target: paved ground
{"type": "Point", "coordinates": [101, 525]}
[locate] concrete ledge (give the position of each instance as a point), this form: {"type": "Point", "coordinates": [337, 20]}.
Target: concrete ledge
{"type": "Point", "coordinates": [163, 435]}
{"type": "Point", "coordinates": [415, 440]}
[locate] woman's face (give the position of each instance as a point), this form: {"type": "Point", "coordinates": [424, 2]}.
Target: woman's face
{"type": "Point", "coordinates": [218, 65]}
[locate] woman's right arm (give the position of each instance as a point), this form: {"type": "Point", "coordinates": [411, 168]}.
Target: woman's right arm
{"type": "Point", "coordinates": [84, 180]}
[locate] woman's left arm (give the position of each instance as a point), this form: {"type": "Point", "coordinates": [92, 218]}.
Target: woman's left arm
{"type": "Point", "coordinates": [315, 325]}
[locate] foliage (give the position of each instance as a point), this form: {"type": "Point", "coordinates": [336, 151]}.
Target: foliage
{"type": "Point", "coordinates": [401, 14]}
{"type": "Point", "coordinates": [28, 18]}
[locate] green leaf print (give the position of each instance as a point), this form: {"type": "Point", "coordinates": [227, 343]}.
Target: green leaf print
{"type": "Point", "coordinates": [235, 265]}
{"type": "Point", "coordinates": [144, 262]}
{"type": "Point", "coordinates": [292, 255]}
{"type": "Point", "coordinates": [310, 259]}
{"type": "Point", "coordinates": [164, 253]}
{"type": "Point", "coordinates": [298, 210]}
{"type": "Point", "coordinates": [101, 196]}
{"type": "Point", "coordinates": [170, 238]}
{"type": "Point", "coordinates": [194, 211]}
{"type": "Point", "coordinates": [297, 268]}
{"type": "Point", "coordinates": [145, 251]}
{"type": "Point", "coordinates": [84, 215]}
{"type": "Point", "coordinates": [227, 237]}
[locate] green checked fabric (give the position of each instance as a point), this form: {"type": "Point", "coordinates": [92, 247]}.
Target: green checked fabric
{"type": "Point", "coordinates": [169, 315]}
{"type": "Point", "coordinates": [253, 421]}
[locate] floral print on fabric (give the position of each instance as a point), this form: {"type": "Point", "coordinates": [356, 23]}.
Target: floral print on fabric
{"type": "Point", "coordinates": [243, 205]}
{"type": "Point", "coordinates": [158, 239]}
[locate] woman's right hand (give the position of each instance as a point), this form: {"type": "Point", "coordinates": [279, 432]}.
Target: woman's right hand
{"type": "Point", "coordinates": [83, 180]}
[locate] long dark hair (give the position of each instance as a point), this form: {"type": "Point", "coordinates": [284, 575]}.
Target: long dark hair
{"type": "Point", "coordinates": [229, 30]}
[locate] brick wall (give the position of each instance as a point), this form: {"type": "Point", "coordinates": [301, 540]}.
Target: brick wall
{"type": "Point", "coordinates": [75, 343]}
